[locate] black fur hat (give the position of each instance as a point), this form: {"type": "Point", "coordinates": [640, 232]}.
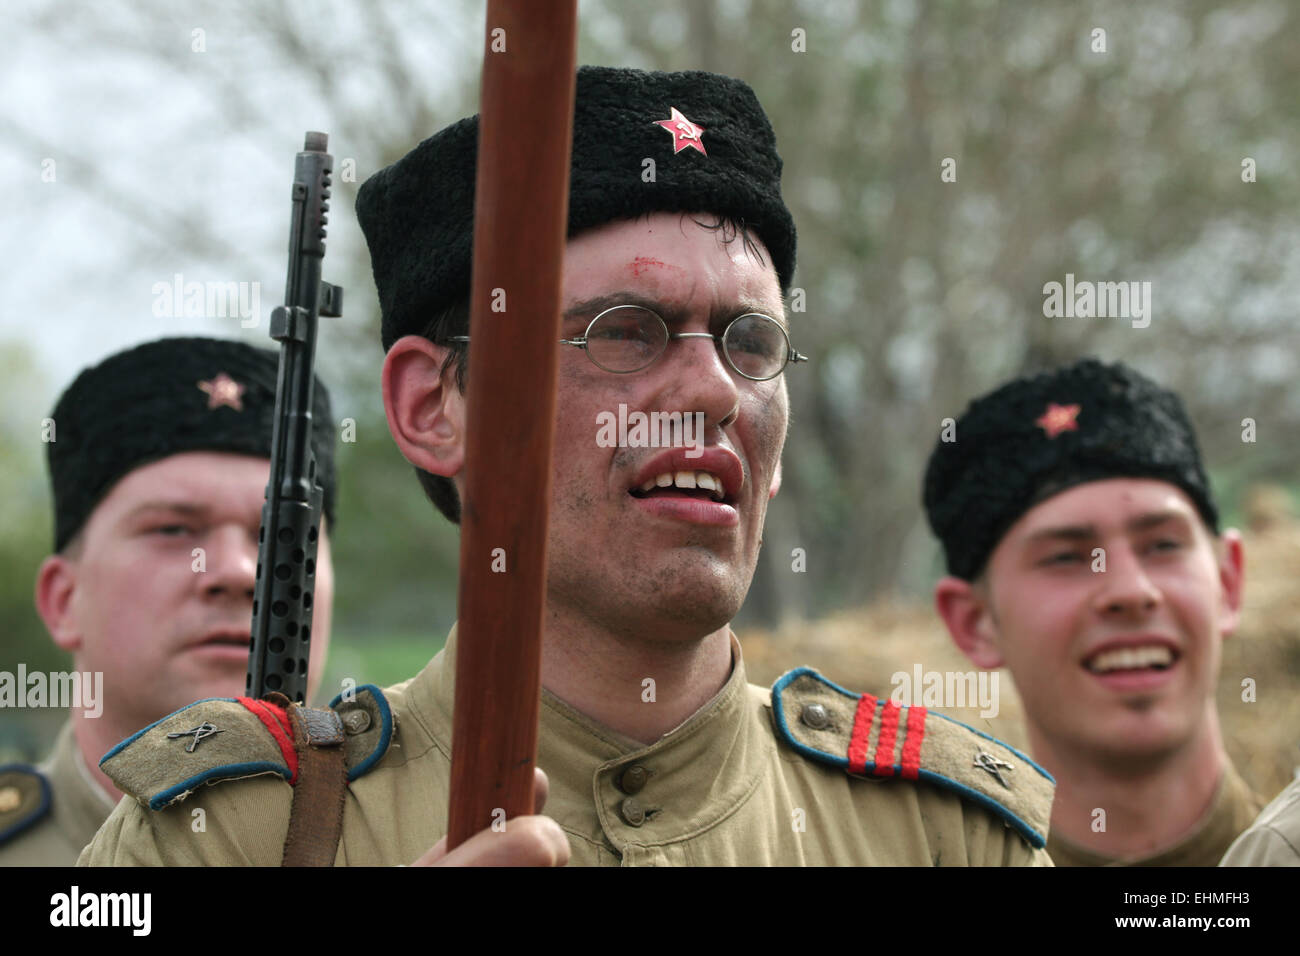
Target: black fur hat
{"type": "Point", "coordinates": [1042, 434]}
{"type": "Point", "coordinates": [713, 149]}
{"type": "Point", "coordinates": [162, 398]}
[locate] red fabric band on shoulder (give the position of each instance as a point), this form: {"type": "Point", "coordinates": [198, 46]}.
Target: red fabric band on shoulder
{"type": "Point", "coordinates": [912, 742]}
{"type": "Point", "coordinates": [884, 758]}
{"type": "Point", "coordinates": [862, 719]}
{"type": "Point", "coordinates": [277, 722]}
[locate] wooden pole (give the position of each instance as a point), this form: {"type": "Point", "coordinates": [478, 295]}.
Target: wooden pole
{"type": "Point", "coordinates": [520, 220]}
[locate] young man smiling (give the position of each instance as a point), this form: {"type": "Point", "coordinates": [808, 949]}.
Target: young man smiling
{"type": "Point", "coordinates": [1084, 555]}
{"type": "Point", "coordinates": [158, 464]}
{"type": "Point", "coordinates": [673, 297]}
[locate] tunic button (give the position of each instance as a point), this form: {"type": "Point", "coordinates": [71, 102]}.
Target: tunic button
{"type": "Point", "coordinates": [356, 722]}
{"type": "Point", "coordinates": [815, 716]}
{"type": "Point", "coordinates": [633, 779]}
{"type": "Point", "coordinates": [633, 812]}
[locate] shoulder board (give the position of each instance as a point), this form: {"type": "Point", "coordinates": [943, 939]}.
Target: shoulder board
{"type": "Point", "coordinates": [24, 799]}
{"type": "Point", "coordinates": [220, 738]}
{"type": "Point", "coordinates": [368, 725]}
{"type": "Point", "coordinates": [875, 737]}
{"type": "Point", "coordinates": [229, 738]}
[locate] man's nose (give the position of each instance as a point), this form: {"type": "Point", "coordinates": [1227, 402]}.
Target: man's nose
{"type": "Point", "coordinates": [702, 379]}
{"type": "Point", "coordinates": [1125, 587]}
{"type": "Point", "coordinates": [231, 564]}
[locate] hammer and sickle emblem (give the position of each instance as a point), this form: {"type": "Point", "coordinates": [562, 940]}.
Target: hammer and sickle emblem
{"type": "Point", "coordinates": [986, 761]}
{"type": "Point", "coordinates": [201, 732]}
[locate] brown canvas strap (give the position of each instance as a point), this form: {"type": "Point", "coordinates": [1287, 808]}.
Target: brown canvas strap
{"type": "Point", "coordinates": [316, 817]}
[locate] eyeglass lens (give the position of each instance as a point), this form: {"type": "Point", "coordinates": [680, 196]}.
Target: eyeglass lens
{"type": "Point", "coordinates": [626, 339]}
{"type": "Point", "coordinates": [756, 346]}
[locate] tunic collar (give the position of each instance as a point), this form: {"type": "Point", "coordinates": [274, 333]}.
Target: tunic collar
{"type": "Point", "coordinates": [683, 784]}
{"type": "Point", "coordinates": [80, 803]}
{"type": "Point", "coordinates": [1231, 810]}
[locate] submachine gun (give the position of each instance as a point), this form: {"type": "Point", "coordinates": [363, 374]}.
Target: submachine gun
{"type": "Point", "coordinates": [286, 553]}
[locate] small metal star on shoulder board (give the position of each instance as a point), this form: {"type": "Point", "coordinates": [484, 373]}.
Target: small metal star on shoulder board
{"type": "Point", "coordinates": [201, 732]}
{"type": "Point", "coordinates": [986, 761]}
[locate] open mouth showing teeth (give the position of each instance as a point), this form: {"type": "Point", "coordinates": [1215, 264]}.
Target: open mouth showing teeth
{"type": "Point", "coordinates": [676, 484]}
{"type": "Point", "coordinates": [1156, 657]}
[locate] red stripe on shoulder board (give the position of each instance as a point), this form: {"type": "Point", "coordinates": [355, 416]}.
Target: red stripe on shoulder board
{"type": "Point", "coordinates": [884, 758]}
{"type": "Point", "coordinates": [276, 721]}
{"type": "Point", "coordinates": [862, 719]}
{"type": "Point", "coordinates": [912, 742]}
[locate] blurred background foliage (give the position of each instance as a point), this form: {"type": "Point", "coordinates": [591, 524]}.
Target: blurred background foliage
{"type": "Point", "coordinates": [1117, 165]}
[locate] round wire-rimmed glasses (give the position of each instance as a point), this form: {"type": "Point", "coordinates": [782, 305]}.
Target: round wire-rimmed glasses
{"type": "Point", "coordinates": [630, 338]}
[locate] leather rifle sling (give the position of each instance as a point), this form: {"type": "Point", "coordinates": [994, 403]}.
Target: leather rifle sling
{"type": "Point", "coordinates": [316, 816]}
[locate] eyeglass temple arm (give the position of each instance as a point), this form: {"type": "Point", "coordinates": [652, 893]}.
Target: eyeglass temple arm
{"type": "Point", "coordinates": [579, 342]}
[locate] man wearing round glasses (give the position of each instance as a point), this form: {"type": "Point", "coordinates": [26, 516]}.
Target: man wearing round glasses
{"type": "Point", "coordinates": [658, 751]}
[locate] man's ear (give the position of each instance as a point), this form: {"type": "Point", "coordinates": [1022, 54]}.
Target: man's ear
{"type": "Point", "coordinates": [1232, 568]}
{"type": "Point", "coordinates": [776, 481]}
{"type": "Point", "coordinates": [968, 613]}
{"type": "Point", "coordinates": [56, 583]}
{"type": "Point", "coordinates": [425, 410]}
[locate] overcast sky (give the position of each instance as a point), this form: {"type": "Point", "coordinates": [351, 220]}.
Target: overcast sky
{"type": "Point", "coordinates": [118, 138]}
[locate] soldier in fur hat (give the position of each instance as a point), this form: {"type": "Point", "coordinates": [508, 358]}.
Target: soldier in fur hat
{"type": "Point", "coordinates": [1084, 554]}
{"type": "Point", "coordinates": [158, 464]}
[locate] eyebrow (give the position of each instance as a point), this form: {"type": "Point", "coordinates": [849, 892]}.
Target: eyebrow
{"type": "Point", "coordinates": [1086, 532]}
{"type": "Point", "coordinates": [173, 507]}
{"type": "Point", "coordinates": [673, 315]}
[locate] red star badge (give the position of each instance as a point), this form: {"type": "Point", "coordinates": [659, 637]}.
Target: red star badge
{"type": "Point", "coordinates": [684, 132]}
{"type": "Point", "coordinates": [1059, 418]}
{"type": "Point", "coordinates": [224, 390]}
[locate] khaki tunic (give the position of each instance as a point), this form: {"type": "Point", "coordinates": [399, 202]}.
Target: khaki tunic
{"type": "Point", "coordinates": [1234, 806]}
{"type": "Point", "coordinates": [78, 806]}
{"type": "Point", "coordinates": [720, 789]}
{"type": "Point", "coordinates": [1274, 838]}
